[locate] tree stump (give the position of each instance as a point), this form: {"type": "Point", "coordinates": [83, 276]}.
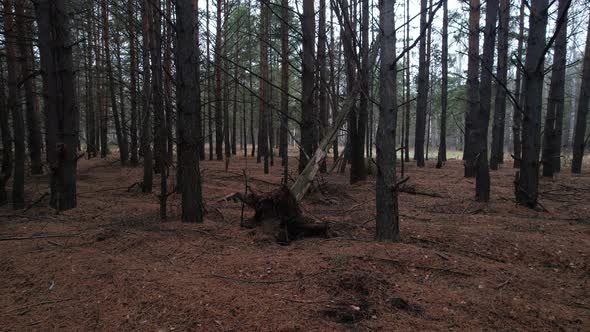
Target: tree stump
{"type": "Point", "coordinates": [280, 209]}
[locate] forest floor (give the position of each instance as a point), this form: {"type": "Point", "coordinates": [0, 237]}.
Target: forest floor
{"type": "Point", "coordinates": [460, 264]}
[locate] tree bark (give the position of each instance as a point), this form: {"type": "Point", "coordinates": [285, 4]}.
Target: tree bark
{"type": "Point", "coordinates": [469, 152]}
{"type": "Point", "coordinates": [386, 186]}
{"type": "Point", "coordinates": [323, 76]}
{"type": "Point", "coordinates": [7, 154]}
{"type": "Point", "coordinates": [307, 82]}
{"type": "Point", "coordinates": [551, 158]}
{"type": "Point", "coordinates": [146, 138]}
{"type": "Point", "coordinates": [442, 145]}
{"type": "Point", "coordinates": [18, 124]}
{"type": "Point", "coordinates": [580, 140]}
{"type": "Point", "coordinates": [422, 97]}
{"type": "Point", "coordinates": [518, 95]}
{"type": "Point", "coordinates": [481, 119]}
{"type": "Point", "coordinates": [527, 180]}
{"type": "Point", "coordinates": [497, 154]}
{"type": "Point", "coordinates": [218, 100]}
{"type": "Point", "coordinates": [133, 81]}
{"type": "Point", "coordinates": [263, 85]}
{"type": "Point", "coordinates": [285, 89]}
{"type": "Point", "coordinates": [62, 112]}
{"type": "Point", "coordinates": [189, 106]}
{"type": "Point", "coordinates": [27, 66]}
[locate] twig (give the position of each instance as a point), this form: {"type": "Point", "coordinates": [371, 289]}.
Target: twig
{"type": "Point", "coordinates": [18, 238]}
{"type": "Point", "coordinates": [36, 202]}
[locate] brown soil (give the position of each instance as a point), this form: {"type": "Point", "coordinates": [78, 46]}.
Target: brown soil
{"type": "Point", "coordinates": [460, 265]}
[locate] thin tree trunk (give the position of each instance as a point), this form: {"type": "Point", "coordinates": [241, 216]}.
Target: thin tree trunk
{"type": "Point", "coordinates": [442, 145]}
{"type": "Point", "coordinates": [497, 154]}
{"type": "Point", "coordinates": [323, 77]}
{"type": "Point", "coordinates": [7, 154]}
{"type": "Point", "coordinates": [406, 142]}
{"type": "Point", "coordinates": [263, 86]}
{"type": "Point", "coordinates": [124, 152]}
{"type": "Point", "coordinates": [285, 88]}
{"type": "Point", "coordinates": [422, 97]}
{"type": "Point", "coordinates": [307, 81]}
{"type": "Point", "coordinates": [518, 95]}
{"type": "Point", "coordinates": [146, 138]}
{"type": "Point", "coordinates": [133, 81]}
{"type": "Point", "coordinates": [218, 101]}
{"type": "Point", "coordinates": [580, 140]}
{"type": "Point", "coordinates": [551, 158]}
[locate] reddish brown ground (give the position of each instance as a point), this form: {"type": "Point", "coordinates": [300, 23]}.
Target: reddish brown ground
{"type": "Point", "coordinates": [460, 265]}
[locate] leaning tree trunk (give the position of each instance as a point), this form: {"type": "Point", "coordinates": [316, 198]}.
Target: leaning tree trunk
{"type": "Point", "coordinates": [497, 154]}
{"type": "Point", "coordinates": [527, 180]}
{"type": "Point", "coordinates": [386, 191]}
{"type": "Point", "coordinates": [18, 124]}
{"type": "Point", "coordinates": [469, 153]}
{"type": "Point", "coordinates": [551, 158]}
{"type": "Point", "coordinates": [62, 112]}
{"type": "Point", "coordinates": [580, 140]}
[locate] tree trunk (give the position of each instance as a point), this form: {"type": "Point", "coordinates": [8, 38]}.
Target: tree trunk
{"type": "Point", "coordinates": [442, 145]}
{"type": "Point", "coordinates": [263, 85]}
{"type": "Point", "coordinates": [406, 142]}
{"type": "Point", "coordinates": [62, 112]}
{"type": "Point", "coordinates": [518, 95]}
{"type": "Point", "coordinates": [527, 180]}
{"type": "Point", "coordinates": [422, 97]}
{"type": "Point", "coordinates": [323, 76]}
{"type": "Point", "coordinates": [18, 124]}
{"type": "Point", "coordinates": [580, 140]}
{"type": "Point", "coordinates": [7, 155]}
{"type": "Point", "coordinates": [158, 102]}
{"type": "Point", "coordinates": [146, 138]}
{"type": "Point", "coordinates": [121, 85]}
{"type": "Point", "coordinates": [27, 65]}
{"type": "Point", "coordinates": [133, 81]}
{"type": "Point", "coordinates": [497, 154]}
{"type": "Point", "coordinates": [469, 152]}
{"type": "Point", "coordinates": [218, 101]}
{"type": "Point", "coordinates": [167, 81]}
{"type": "Point", "coordinates": [189, 106]}
{"type": "Point", "coordinates": [91, 141]}
{"type": "Point", "coordinates": [386, 185]}
{"type": "Point", "coordinates": [124, 152]}
{"type": "Point", "coordinates": [481, 119]}
{"type": "Point", "coordinates": [551, 158]}
{"type": "Point", "coordinates": [307, 82]}
{"type": "Point", "coordinates": [285, 88]}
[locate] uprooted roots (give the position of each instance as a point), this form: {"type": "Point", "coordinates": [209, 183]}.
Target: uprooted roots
{"type": "Point", "coordinates": [279, 208]}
